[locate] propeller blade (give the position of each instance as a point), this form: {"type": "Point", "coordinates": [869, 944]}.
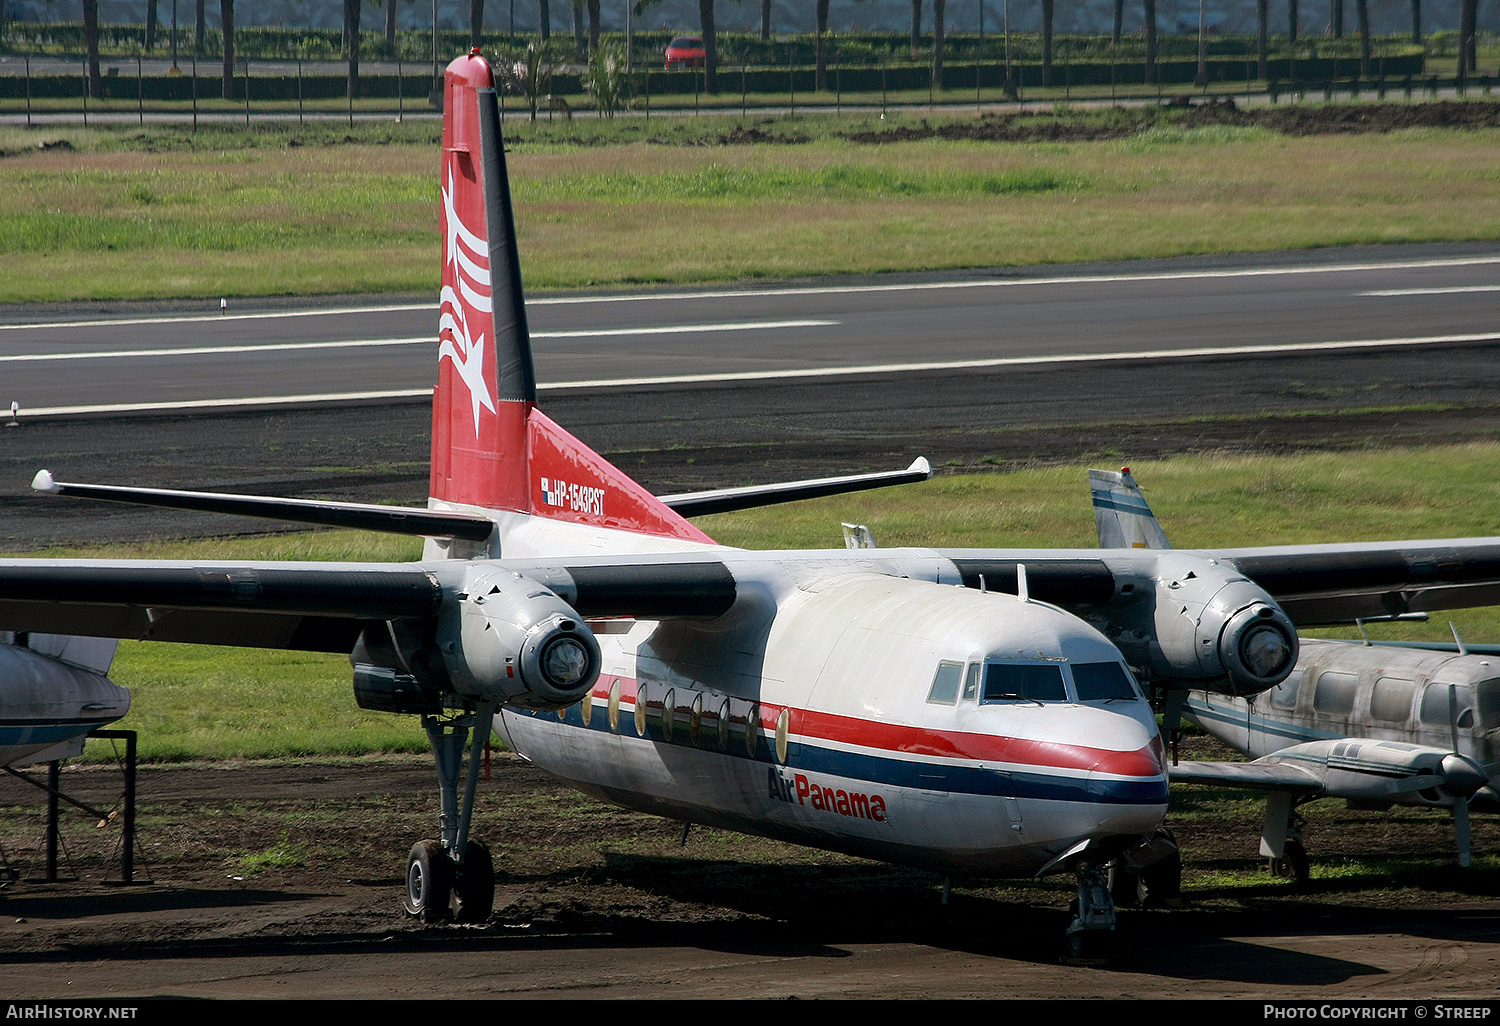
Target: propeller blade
{"type": "Point", "coordinates": [1461, 829]}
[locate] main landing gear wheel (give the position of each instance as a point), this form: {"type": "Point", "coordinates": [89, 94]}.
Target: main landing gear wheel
{"type": "Point", "coordinates": [1160, 882]}
{"type": "Point", "coordinates": [1293, 862]}
{"type": "Point", "coordinates": [474, 887]}
{"type": "Point", "coordinates": [429, 881]}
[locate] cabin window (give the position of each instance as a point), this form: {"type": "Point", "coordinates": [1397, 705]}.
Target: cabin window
{"type": "Point", "coordinates": [1391, 699]}
{"type": "Point", "coordinates": [1284, 695]}
{"type": "Point", "coordinates": [945, 684]}
{"type": "Point", "coordinates": [1100, 682]}
{"type": "Point", "coordinates": [1489, 703]}
{"type": "Point", "coordinates": [1436, 711]}
{"type": "Point", "coordinates": [614, 706]}
{"type": "Point", "coordinates": [1334, 695]}
{"type": "Point", "coordinates": [1024, 682]}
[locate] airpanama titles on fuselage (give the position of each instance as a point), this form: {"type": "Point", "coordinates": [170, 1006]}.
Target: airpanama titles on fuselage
{"type": "Point", "coordinates": [799, 790]}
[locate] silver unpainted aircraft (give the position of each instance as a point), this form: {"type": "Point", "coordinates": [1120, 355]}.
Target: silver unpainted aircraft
{"type": "Point", "coordinates": [53, 691]}
{"type": "Point", "coordinates": [1375, 724]}
{"type": "Point", "coordinates": [958, 710]}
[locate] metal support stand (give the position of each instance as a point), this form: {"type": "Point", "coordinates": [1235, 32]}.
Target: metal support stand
{"type": "Point", "coordinates": [55, 798]}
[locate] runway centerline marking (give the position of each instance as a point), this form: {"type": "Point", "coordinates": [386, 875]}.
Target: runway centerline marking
{"type": "Point", "coordinates": [796, 373]}
{"type": "Point", "coordinates": [811, 290]}
{"type": "Point", "coordinates": [272, 347]}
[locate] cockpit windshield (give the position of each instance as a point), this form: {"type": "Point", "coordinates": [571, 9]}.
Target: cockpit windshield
{"type": "Point", "coordinates": [1100, 682]}
{"type": "Point", "coordinates": [1048, 682]}
{"type": "Point", "coordinates": [1024, 682]}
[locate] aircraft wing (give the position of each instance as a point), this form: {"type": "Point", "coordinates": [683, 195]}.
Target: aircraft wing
{"type": "Point", "coordinates": [320, 607]}
{"type": "Point", "coordinates": [1334, 584]}
{"type": "Point", "coordinates": [1253, 776]}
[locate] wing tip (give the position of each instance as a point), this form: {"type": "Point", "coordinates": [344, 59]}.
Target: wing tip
{"type": "Point", "coordinates": [43, 482]}
{"type": "Point", "coordinates": [920, 465]}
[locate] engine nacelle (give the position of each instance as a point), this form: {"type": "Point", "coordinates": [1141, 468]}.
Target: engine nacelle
{"type": "Point", "coordinates": [1219, 630]}
{"type": "Point", "coordinates": [506, 638]}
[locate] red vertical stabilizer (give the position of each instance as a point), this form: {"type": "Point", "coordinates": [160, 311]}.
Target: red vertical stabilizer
{"type": "Point", "coordinates": [490, 446]}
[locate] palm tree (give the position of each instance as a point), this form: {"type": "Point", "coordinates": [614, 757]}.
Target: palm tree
{"type": "Point", "coordinates": [1468, 19]}
{"type": "Point", "coordinates": [821, 81]}
{"type": "Point", "coordinates": [91, 43]}
{"type": "Point", "coordinates": [1416, 21]}
{"type": "Point", "coordinates": [1151, 40]}
{"type": "Point", "coordinates": [544, 15]}
{"type": "Point", "coordinates": [226, 19]}
{"type": "Point", "coordinates": [939, 13]}
{"type": "Point", "coordinates": [578, 44]}
{"type": "Point", "coordinates": [1362, 13]}
{"type": "Point", "coordinates": [1262, 39]}
{"type": "Point", "coordinates": [916, 25]}
{"type": "Point", "coordinates": [1047, 12]}
{"type": "Point", "coordinates": [198, 27]}
{"type": "Point", "coordinates": [1291, 21]}
{"type": "Point", "coordinates": [476, 22]}
{"type": "Point", "coordinates": [352, 10]}
{"type": "Point", "coordinates": [710, 45]}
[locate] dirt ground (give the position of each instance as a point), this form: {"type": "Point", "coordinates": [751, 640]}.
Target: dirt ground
{"type": "Point", "coordinates": [283, 880]}
{"type": "Point", "coordinates": [1191, 111]}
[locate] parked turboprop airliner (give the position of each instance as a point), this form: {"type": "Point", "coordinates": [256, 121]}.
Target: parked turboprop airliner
{"type": "Point", "coordinates": [1375, 724]}
{"type": "Point", "coordinates": [960, 710]}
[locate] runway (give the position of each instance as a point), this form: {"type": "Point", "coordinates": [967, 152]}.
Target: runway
{"type": "Point", "coordinates": [985, 321]}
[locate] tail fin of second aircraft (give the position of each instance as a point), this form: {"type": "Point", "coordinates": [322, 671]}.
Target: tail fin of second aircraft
{"type": "Point", "coordinates": [491, 447]}
{"type": "Point", "coordinates": [1121, 514]}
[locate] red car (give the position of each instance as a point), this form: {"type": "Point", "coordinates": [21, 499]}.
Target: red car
{"type": "Point", "coordinates": [686, 52]}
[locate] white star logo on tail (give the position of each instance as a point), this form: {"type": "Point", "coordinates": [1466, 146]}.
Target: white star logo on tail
{"type": "Point", "coordinates": [469, 258]}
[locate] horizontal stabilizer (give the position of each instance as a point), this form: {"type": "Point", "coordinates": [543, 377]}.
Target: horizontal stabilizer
{"type": "Point", "coordinates": [357, 516]}
{"type": "Point", "coordinates": [726, 500]}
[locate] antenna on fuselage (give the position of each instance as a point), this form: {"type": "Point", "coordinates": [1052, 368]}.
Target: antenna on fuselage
{"type": "Point", "coordinates": [1022, 591]}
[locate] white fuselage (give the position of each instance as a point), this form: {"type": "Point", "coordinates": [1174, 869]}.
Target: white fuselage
{"type": "Point", "coordinates": [809, 712]}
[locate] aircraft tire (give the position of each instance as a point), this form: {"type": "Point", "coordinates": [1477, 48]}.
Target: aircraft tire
{"type": "Point", "coordinates": [1160, 882]}
{"type": "Point", "coordinates": [429, 881]}
{"type": "Point", "coordinates": [1124, 887]}
{"type": "Point", "coordinates": [474, 888]}
{"type": "Point", "coordinates": [1293, 862]}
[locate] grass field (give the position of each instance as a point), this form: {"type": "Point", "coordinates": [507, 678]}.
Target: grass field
{"type": "Point", "coordinates": [160, 214]}
{"type": "Point", "coordinates": [194, 702]}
